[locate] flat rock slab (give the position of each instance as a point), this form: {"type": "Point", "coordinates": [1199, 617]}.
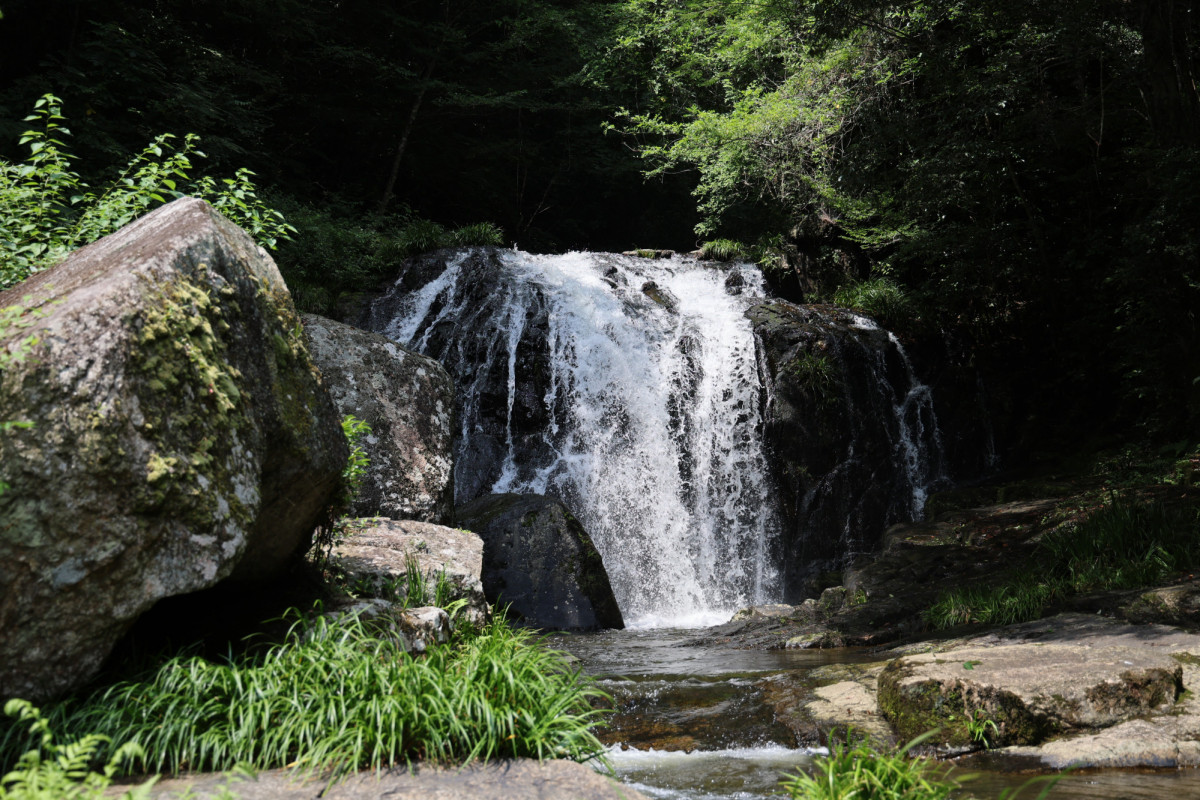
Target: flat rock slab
{"type": "Point", "coordinates": [375, 555]}
{"type": "Point", "coordinates": [1065, 674]}
{"type": "Point", "coordinates": [521, 779]}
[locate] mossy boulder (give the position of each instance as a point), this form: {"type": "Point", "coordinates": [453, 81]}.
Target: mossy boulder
{"type": "Point", "coordinates": [539, 560]}
{"type": "Point", "coordinates": [408, 400]}
{"type": "Point", "coordinates": [1018, 694]}
{"type": "Point", "coordinates": [180, 436]}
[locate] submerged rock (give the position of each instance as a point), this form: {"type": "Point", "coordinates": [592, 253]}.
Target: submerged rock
{"type": "Point", "coordinates": [539, 560]}
{"type": "Point", "coordinates": [180, 436]}
{"type": "Point", "coordinates": [408, 400]}
{"type": "Point", "coordinates": [377, 554]}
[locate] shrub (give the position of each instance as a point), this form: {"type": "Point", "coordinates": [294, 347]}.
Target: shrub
{"type": "Point", "coordinates": [46, 209]}
{"type": "Point", "coordinates": [879, 298]}
{"type": "Point", "coordinates": [336, 697]}
{"type": "Point", "coordinates": [337, 251]}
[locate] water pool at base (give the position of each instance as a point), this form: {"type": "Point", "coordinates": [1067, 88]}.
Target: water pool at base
{"type": "Point", "coordinates": [692, 723]}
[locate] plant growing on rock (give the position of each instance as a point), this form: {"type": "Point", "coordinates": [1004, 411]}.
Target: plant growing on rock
{"type": "Point", "coordinates": [334, 530]}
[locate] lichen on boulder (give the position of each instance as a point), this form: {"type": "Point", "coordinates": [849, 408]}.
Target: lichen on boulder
{"type": "Point", "coordinates": [180, 436]}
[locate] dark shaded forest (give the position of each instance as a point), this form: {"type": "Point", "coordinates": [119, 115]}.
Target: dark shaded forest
{"type": "Point", "coordinates": [1013, 181]}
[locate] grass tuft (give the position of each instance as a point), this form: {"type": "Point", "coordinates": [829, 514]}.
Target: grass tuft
{"type": "Point", "coordinates": [862, 773]}
{"type": "Point", "coordinates": [724, 250]}
{"type": "Point", "coordinates": [878, 298]}
{"type": "Point", "coordinates": [334, 698]}
{"type": "Point", "coordinates": [1123, 545]}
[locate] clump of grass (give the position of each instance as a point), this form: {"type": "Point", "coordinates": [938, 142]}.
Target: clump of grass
{"type": "Point", "coordinates": [334, 697]}
{"type": "Point", "coordinates": [862, 773]}
{"type": "Point", "coordinates": [879, 298]}
{"type": "Point", "coordinates": [1000, 604]}
{"type": "Point", "coordinates": [817, 375]}
{"type": "Point", "coordinates": [1120, 546]}
{"type": "Point", "coordinates": [724, 250]}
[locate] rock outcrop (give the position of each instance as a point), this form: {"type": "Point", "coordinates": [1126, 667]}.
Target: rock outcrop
{"type": "Point", "coordinates": [408, 400]}
{"type": "Point", "coordinates": [180, 436]}
{"type": "Point", "coordinates": [853, 439]}
{"type": "Point", "coordinates": [376, 556]}
{"type": "Point", "coordinates": [540, 561]}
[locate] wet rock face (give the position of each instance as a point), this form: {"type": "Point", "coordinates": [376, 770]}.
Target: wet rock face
{"type": "Point", "coordinates": [851, 434]}
{"type": "Point", "coordinates": [408, 400]}
{"type": "Point", "coordinates": [540, 560]}
{"type": "Point", "coordinates": [484, 398]}
{"type": "Point", "coordinates": [377, 553]}
{"type": "Point", "coordinates": [180, 436]}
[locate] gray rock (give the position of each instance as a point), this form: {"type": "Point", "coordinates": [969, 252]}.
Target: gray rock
{"type": "Point", "coordinates": [1066, 674]}
{"type": "Point", "coordinates": [375, 555]}
{"type": "Point", "coordinates": [518, 779]}
{"type": "Point", "coordinates": [540, 560]}
{"type": "Point", "coordinates": [767, 611]}
{"type": "Point", "coordinates": [181, 436]}
{"type": "Point", "coordinates": [408, 400]}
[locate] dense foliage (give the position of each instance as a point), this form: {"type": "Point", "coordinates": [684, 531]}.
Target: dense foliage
{"type": "Point", "coordinates": [1018, 174]}
{"type": "Point", "coordinates": [1019, 167]}
{"type": "Point", "coordinates": [47, 210]}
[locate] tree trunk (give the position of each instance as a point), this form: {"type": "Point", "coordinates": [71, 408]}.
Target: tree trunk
{"type": "Point", "coordinates": [393, 174]}
{"type": "Point", "coordinates": [1169, 73]}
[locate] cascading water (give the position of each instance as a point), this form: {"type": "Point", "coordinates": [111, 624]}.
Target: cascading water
{"type": "Point", "coordinates": [639, 392]}
{"type": "Point", "coordinates": [918, 439]}
{"type": "Point", "coordinates": [629, 388]}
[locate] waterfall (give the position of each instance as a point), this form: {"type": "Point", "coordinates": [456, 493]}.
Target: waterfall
{"type": "Point", "coordinates": [640, 392]}
{"type": "Point", "coordinates": [630, 389]}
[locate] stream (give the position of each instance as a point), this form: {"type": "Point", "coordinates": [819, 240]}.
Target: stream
{"type": "Point", "coordinates": [691, 724]}
{"type": "Point", "coordinates": [711, 460]}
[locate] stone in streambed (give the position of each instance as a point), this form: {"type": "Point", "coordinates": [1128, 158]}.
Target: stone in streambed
{"type": "Point", "coordinates": [540, 561]}
{"type": "Point", "coordinates": [511, 779]}
{"type": "Point", "coordinates": [180, 436]}
{"type": "Point", "coordinates": [408, 400]}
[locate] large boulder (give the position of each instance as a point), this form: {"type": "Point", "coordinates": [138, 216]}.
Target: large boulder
{"type": "Point", "coordinates": [538, 560]}
{"type": "Point", "coordinates": [408, 400]}
{"type": "Point", "coordinates": [180, 436]}
{"type": "Point", "coordinates": [376, 556]}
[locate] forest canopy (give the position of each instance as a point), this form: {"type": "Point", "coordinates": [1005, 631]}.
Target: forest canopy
{"type": "Point", "coordinates": [1019, 173]}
